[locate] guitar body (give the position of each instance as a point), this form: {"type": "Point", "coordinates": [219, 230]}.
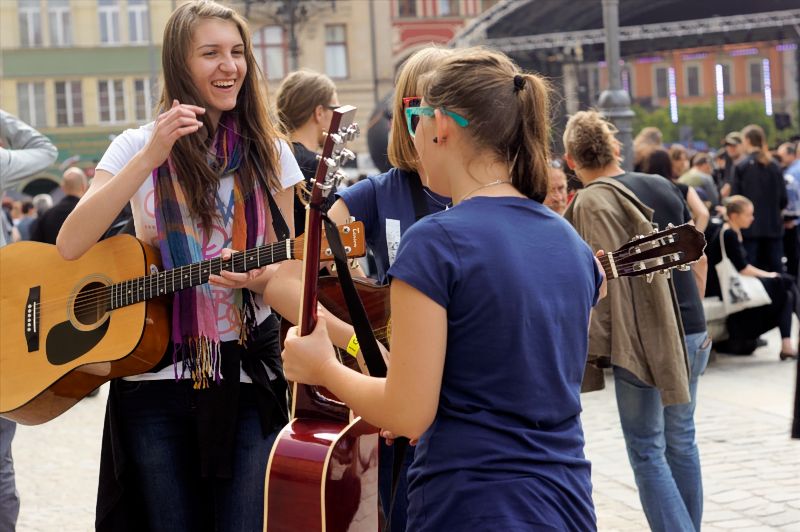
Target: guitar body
{"type": "Point", "coordinates": [375, 298]}
{"type": "Point", "coordinates": [74, 345]}
{"type": "Point", "coordinates": [324, 478]}
{"type": "Point", "coordinates": [322, 474]}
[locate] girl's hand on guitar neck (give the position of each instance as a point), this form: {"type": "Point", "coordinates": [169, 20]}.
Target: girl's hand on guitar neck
{"type": "Point", "coordinates": [309, 359]}
{"type": "Point", "coordinates": [604, 285]}
{"type": "Point", "coordinates": [255, 280]}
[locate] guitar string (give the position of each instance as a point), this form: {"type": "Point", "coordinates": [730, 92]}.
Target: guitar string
{"type": "Point", "coordinates": [96, 295]}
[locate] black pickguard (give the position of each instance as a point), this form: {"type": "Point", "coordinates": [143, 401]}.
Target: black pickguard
{"type": "Point", "coordinates": [65, 343]}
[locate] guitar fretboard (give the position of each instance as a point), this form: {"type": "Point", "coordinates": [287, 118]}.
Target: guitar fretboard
{"type": "Point", "coordinates": [169, 281]}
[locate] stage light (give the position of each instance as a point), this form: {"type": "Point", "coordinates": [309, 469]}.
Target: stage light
{"type": "Point", "coordinates": [720, 93]}
{"type": "Point", "coordinates": [673, 96]}
{"type": "Point", "coordinates": [767, 87]}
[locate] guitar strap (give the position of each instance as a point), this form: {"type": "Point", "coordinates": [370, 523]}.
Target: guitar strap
{"type": "Point", "coordinates": [366, 340]}
{"type": "Point", "coordinates": [278, 222]}
{"type": "Point", "coordinates": [418, 196]}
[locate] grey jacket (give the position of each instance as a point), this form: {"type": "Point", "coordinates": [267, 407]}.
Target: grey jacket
{"type": "Point", "coordinates": [23, 153]}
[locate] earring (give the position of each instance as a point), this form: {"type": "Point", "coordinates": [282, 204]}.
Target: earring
{"type": "Point", "coordinates": [436, 140]}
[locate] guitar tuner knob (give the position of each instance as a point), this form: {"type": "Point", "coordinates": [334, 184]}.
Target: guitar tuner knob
{"type": "Point", "coordinates": [331, 163]}
{"type": "Point", "coordinates": [337, 139]}
{"type": "Point", "coordinates": [318, 157]}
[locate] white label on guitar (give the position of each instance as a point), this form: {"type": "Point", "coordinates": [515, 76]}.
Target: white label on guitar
{"type": "Point", "coordinates": [153, 268]}
{"type": "Point", "coordinates": [392, 238]}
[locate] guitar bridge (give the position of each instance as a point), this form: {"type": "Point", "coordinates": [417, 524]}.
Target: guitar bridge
{"type": "Point", "coordinates": [32, 313]}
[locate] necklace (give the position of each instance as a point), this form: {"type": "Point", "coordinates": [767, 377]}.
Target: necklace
{"type": "Point", "coordinates": [445, 206]}
{"type": "Point", "coordinates": [493, 183]}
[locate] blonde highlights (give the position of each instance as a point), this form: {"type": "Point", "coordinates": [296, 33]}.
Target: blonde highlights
{"type": "Point", "coordinates": [402, 153]}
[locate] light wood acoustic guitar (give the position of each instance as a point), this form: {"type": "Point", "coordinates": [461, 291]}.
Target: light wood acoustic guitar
{"type": "Point", "coordinates": [66, 327]}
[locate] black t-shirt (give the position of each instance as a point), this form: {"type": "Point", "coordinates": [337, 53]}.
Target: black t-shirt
{"type": "Point", "coordinates": [307, 161]}
{"type": "Point", "coordinates": [668, 206]}
{"type": "Point", "coordinates": [735, 252]}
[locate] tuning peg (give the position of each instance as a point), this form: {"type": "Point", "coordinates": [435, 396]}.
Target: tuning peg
{"type": "Point", "coordinates": [331, 163]}
{"type": "Point", "coordinates": [337, 139]}
{"type": "Point", "coordinates": [347, 154]}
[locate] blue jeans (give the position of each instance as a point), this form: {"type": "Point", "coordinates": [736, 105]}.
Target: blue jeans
{"type": "Point", "coordinates": [9, 498]}
{"type": "Point", "coordinates": [662, 447]}
{"type": "Point", "coordinates": [158, 419]}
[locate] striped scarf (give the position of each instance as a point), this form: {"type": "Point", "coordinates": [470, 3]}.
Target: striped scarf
{"type": "Point", "coordinates": [195, 334]}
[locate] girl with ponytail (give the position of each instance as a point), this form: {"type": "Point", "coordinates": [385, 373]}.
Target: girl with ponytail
{"type": "Point", "coordinates": [487, 354]}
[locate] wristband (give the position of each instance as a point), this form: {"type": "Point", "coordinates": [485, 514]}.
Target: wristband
{"type": "Point", "coordinates": [352, 346]}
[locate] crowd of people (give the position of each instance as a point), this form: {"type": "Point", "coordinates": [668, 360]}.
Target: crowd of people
{"type": "Point", "coordinates": [498, 442]}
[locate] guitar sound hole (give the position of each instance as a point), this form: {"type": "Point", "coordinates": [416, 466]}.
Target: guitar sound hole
{"type": "Point", "coordinates": [91, 304]}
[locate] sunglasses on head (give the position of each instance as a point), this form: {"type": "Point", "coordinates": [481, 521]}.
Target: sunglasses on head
{"type": "Point", "coordinates": [411, 101]}
{"type": "Point", "coordinates": [413, 115]}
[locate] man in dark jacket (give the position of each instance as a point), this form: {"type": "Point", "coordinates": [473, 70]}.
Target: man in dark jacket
{"type": "Point", "coordinates": [47, 226]}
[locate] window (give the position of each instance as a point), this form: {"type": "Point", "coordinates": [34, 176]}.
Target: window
{"type": "Point", "coordinates": [112, 100]}
{"type": "Point", "coordinates": [60, 27]}
{"type": "Point", "coordinates": [138, 22]}
{"type": "Point", "coordinates": [336, 51]}
{"type": "Point", "coordinates": [270, 50]}
{"type": "Point", "coordinates": [693, 80]}
{"type": "Point", "coordinates": [30, 23]}
{"type": "Point", "coordinates": [662, 82]}
{"type": "Point", "coordinates": [727, 79]}
{"type": "Point", "coordinates": [447, 8]}
{"type": "Point", "coordinates": [406, 8]}
{"type": "Point", "coordinates": [69, 103]}
{"type": "Point", "coordinates": [30, 103]}
{"type": "Point", "coordinates": [756, 77]}
{"type": "Point", "coordinates": [108, 11]}
{"type": "Point", "coordinates": [143, 91]}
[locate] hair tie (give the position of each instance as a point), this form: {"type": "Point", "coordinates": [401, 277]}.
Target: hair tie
{"type": "Point", "coordinates": [519, 83]}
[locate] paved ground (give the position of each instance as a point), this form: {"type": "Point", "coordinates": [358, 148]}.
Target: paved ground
{"type": "Point", "coordinates": [751, 468]}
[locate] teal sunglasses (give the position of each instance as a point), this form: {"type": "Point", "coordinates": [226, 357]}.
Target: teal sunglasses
{"type": "Point", "coordinates": [413, 114]}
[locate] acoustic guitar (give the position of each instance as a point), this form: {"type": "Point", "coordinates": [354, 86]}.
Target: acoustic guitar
{"type": "Point", "coordinates": [661, 251]}
{"type": "Point", "coordinates": [322, 473]}
{"type": "Point", "coordinates": [66, 327]}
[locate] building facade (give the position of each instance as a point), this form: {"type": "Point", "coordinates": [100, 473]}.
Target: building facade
{"type": "Point", "coordinates": [82, 71]}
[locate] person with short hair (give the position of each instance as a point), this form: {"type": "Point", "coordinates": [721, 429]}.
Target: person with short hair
{"type": "Point", "coordinates": [638, 329]}
{"type": "Point", "coordinates": [556, 197]}
{"type": "Point", "coordinates": [46, 227]}
{"type": "Point", "coordinates": [699, 177]}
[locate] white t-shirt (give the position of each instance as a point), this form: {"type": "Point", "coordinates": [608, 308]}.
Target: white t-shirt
{"type": "Point", "coordinates": [122, 149]}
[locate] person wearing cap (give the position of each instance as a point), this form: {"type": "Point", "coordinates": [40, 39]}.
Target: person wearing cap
{"type": "Point", "coordinates": [734, 153]}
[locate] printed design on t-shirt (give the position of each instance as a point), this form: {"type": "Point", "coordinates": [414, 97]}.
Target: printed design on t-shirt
{"type": "Point", "coordinates": [392, 238]}
{"type": "Point", "coordinates": [219, 237]}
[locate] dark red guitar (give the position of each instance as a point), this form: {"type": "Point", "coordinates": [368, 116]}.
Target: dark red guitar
{"type": "Point", "coordinates": [322, 474]}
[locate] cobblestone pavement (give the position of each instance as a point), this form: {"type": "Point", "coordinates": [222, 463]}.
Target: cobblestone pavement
{"type": "Point", "coordinates": [751, 469]}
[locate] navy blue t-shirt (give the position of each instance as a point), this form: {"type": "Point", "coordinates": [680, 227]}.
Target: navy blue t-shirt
{"type": "Point", "coordinates": [385, 204]}
{"type": "Point", "coordinates": [505, 451]}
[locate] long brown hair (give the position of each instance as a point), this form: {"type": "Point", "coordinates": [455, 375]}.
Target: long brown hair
{"type": "Point", "coordinates": [261, 160]}
{"type": "Point", "coordinates": [299, 95]}
{"type": "Point", "coordinates": [758, 140]}
{"type": "Point", "coordinates": [402, 153]}
{"type": "Point", "coordinates": [508, 111]}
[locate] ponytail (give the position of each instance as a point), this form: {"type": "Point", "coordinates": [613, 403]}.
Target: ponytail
{"type": "Point", "coordinates": [508, 111]}
{"type": "Point", "coordinates": [758, 140]}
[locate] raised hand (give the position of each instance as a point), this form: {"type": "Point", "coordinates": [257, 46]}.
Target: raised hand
{"type": "Point", "coordinates": [171, 125]}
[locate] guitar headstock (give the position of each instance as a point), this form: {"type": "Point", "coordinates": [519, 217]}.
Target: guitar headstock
{"type": "Point", "coordinates": [334, 154]}
{"type": "Point", "coordinates": [673, 247]}
{"type": "Point", "coordinates": [351, 235]}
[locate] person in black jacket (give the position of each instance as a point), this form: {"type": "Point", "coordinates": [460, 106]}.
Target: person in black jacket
{"type": "Point", "coordinates": [46, 227]}
{"type": "Point", "coordinates": [759, 179]}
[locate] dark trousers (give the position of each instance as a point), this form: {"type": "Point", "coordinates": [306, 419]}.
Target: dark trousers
{"type": "Point", "coordinates": [765, 253]}
{"type": "Point", "coordinates": [385, 462]}
{"type": "Point", "coordinates": [791, 251]}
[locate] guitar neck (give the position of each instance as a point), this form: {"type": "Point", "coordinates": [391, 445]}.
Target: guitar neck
{"type": "Point", "coordinates": [170, 281]}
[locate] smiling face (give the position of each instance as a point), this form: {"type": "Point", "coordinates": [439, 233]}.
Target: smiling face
{"type": "Point", "coordinates": [217, 65]}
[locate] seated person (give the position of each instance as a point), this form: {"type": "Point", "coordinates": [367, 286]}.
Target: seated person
{"type": "Point", "coordinates": [747, 325]}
